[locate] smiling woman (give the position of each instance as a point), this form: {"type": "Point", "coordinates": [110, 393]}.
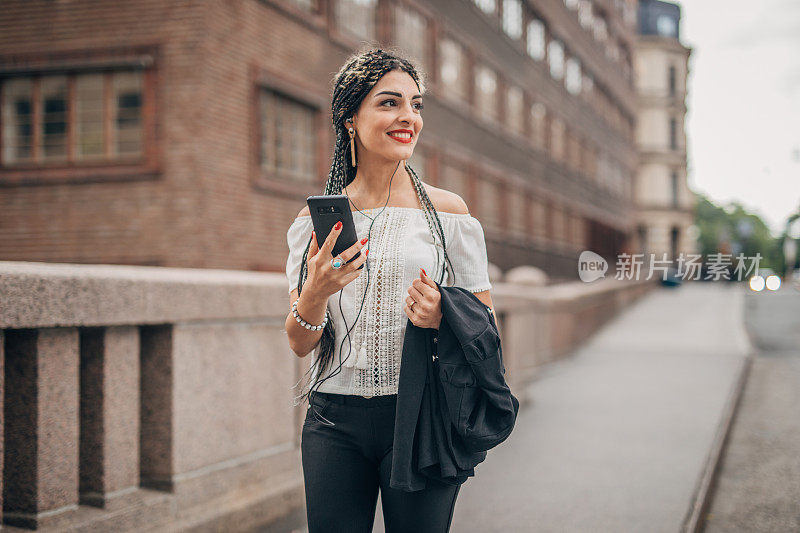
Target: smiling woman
{"type": "Point", "coordinates": [417, 236]}
{"type": "Point", "coordinates": [394, 111]}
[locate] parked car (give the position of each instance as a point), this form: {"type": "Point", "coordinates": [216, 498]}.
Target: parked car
{"type": "Point", "coordinates": [671, 279]}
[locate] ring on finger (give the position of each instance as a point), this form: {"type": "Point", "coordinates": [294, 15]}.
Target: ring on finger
{"type": "Point", "coordinates": [337, 262]}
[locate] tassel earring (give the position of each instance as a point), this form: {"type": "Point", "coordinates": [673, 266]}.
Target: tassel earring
{"type": "Point", "coordinates": [352, 133]}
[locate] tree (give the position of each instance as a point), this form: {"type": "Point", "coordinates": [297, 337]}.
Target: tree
{"type": "Point", "coordinates": [734, 230]}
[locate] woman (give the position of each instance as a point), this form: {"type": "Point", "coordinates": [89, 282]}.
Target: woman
{"type": "Point", "coordinates": [354, 319]}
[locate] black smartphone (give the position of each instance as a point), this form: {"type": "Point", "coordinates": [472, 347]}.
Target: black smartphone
{"type": "Point", "coordinates": [328, 209]}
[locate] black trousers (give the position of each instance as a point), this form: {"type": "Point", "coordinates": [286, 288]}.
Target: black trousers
{"type": "Point", "coordinates": [345, 465]}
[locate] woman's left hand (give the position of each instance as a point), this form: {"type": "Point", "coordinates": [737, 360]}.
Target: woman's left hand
{"type": "Point", "coordinates": [427, 309]}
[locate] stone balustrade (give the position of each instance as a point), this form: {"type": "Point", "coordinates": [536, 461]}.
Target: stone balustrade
{"type": "Point", "coordinates": [159, 398]}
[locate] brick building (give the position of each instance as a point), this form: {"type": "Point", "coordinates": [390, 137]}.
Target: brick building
{"type": "Point", "coordinates": [189, 134]}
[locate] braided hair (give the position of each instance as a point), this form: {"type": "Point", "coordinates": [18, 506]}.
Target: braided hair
{"type": "Point", "coordinates": [359, 74]}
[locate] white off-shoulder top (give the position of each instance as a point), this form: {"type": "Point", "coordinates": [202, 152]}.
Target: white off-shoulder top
{"type": "Point", "coordinates": [399, 244]}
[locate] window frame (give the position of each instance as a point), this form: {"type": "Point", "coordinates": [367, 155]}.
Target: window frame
{"type": "Point", "coordinates": [263, 78]}
{"type": "Point", "coordinates": [73, 64]}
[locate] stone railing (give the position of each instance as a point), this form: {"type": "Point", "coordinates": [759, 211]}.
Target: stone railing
{"type": "Point", "coordinates": [161, 398]}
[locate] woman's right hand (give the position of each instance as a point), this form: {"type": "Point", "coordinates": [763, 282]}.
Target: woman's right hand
{"type": "Point", "coordinates": [322, 278]}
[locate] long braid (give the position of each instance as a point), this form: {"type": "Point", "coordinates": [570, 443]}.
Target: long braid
{"type": "Point", "coordinates": [354, 80]}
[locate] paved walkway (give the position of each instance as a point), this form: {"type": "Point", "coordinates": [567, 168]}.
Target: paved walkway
{"type": "Point", "coordinates": [618, 433]}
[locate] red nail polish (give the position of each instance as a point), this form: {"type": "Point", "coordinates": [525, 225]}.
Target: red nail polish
{"type": "Point", "coordinates": [366, 252]}
{"type": "Point", "coordinates": [364, 240]}
{"type": "Point", "coordinates": [338, 225]}
{"type": "Point", "coordinates": [423, 271]}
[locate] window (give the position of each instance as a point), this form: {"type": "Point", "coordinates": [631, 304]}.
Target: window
{"type": "Point", "coordinates": [536, 39]}
{"type": "Point", "coordinates": [538, 125]}
{"type": "Point", "coordinates": [452, 70]}
{"type": "Point", "coordinates": [555, 53]}
{"type": "Point", "coordinates": [489, 201]}
{"type": "Point", "coordinates": [557, 139]}
{"type": "Point", "coordinates": [356, 17]}
{"type": "Point", "coordinates": [54, 110]}
{"type": "Point", "coordinates": [539, 218]}
{"type": "Point", "coordinates": [512, 18]}
{"type": "Point", "coordinates": [17, 120]}
{"type": "Point", "coordinates": [558, 223]}
{"type": "Point", "coordinates": [578, 229]}
{"type": "Point", "coordinates": [585, 13]}
{"type": "Point", "coordinates": [673, 133]}
{"type": "Point", "coordinates": [287, 136]}
{"type": "Point", "coordinates": [665, 25]}
{"type": "Point", "coordinates": [306, 5]}
{"type": "Point", "coordinates": [127, 92]}
{"type": "Point", "coordinates": [671, 80]}
{"type": "Point", "coordinates": [517, 211]}
{"type": "Point", "coordinates": [674, 233]}
{"type": "Point", "coordinates": [487, 6]}
{"type": "Point", "coordinates": [454, 179]}
{"type": "Point", "coordinates": [410, 32]}
{"type": "Point", "coordinates": [641, 230]}
{"type": "Point", "coordinates": [103, 112]}
{"type": "Point", "coordinates": [514, 115]}
{"type": "Point", "coordinates": [599, 29]}
{"type": "Point", "coordinates": [89, 112]}
{"type": "Point", "coordinates": [573, 80]}
{"type": "Point", "coordinates": [486, 91]}
{"type": "Point", "coordinates": [590, 162]}
{"type": "Point", "coordinates": [573, 150]}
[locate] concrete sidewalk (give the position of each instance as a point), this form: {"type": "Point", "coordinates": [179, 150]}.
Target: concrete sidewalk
{"type": "Point", "coordinates": [617, 434]}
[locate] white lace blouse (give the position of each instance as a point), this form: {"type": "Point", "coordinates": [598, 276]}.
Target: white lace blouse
{"type": "Point", "coordinates": [399, 244]}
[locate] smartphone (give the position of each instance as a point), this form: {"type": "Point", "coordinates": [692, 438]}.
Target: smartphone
{"type": "Point", "coordinates": [328, 209]}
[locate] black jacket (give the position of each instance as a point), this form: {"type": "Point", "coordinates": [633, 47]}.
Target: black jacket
{"type": "Point", "coordinates": [453, 403]}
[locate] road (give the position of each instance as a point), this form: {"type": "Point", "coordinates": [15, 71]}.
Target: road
{"type": "Point", "coordinates": [758, 486]}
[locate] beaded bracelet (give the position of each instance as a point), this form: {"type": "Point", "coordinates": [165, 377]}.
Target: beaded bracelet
{"type": "Point", "coordinates": [305, 324]}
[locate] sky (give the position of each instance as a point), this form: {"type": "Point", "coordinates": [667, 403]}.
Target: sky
{"type": "Point", "coordinates": [743, 118]}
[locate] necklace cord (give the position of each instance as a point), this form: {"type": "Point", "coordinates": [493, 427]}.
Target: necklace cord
{"type": "Point", "coordinates": [366, 288]}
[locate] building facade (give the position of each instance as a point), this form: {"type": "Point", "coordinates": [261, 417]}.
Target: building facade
{"type": "Point", "coordinates": [665, 204]}
{"type": "Point", "coordinates": [155, 133]}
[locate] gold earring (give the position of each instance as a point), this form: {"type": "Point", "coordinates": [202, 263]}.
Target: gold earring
{"type": "Point", "coordinates": [352, 133]}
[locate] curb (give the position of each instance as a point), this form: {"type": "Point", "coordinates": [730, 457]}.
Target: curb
{"type": "Point", "coordinates": [694, 520]}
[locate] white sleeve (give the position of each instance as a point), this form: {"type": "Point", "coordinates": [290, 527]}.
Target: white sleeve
{"type": "Point", "coordinates": [466, 249]}
{"type": "Point", "coordinates": [297, 238]}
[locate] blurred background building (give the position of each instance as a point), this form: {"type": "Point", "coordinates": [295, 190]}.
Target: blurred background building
{"type": "Point", "coordinates": [665, 205]}
{"type": "Point", "coordinates": [164, 133]}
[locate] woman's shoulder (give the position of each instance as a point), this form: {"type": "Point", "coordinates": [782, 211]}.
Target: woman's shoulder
{"type": "Point", "coordinates": [301, 224]}
{"type": "Point", "coordinates": [446, 201]}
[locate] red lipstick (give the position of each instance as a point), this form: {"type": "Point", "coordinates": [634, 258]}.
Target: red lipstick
{"type": "Point", "coordinates": [400, 139]}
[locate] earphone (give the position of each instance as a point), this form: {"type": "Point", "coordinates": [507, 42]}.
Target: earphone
{"type": "Point", "coordinates": [336, 371]}
{"type": "Point", "coordinates": [338, 368]}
